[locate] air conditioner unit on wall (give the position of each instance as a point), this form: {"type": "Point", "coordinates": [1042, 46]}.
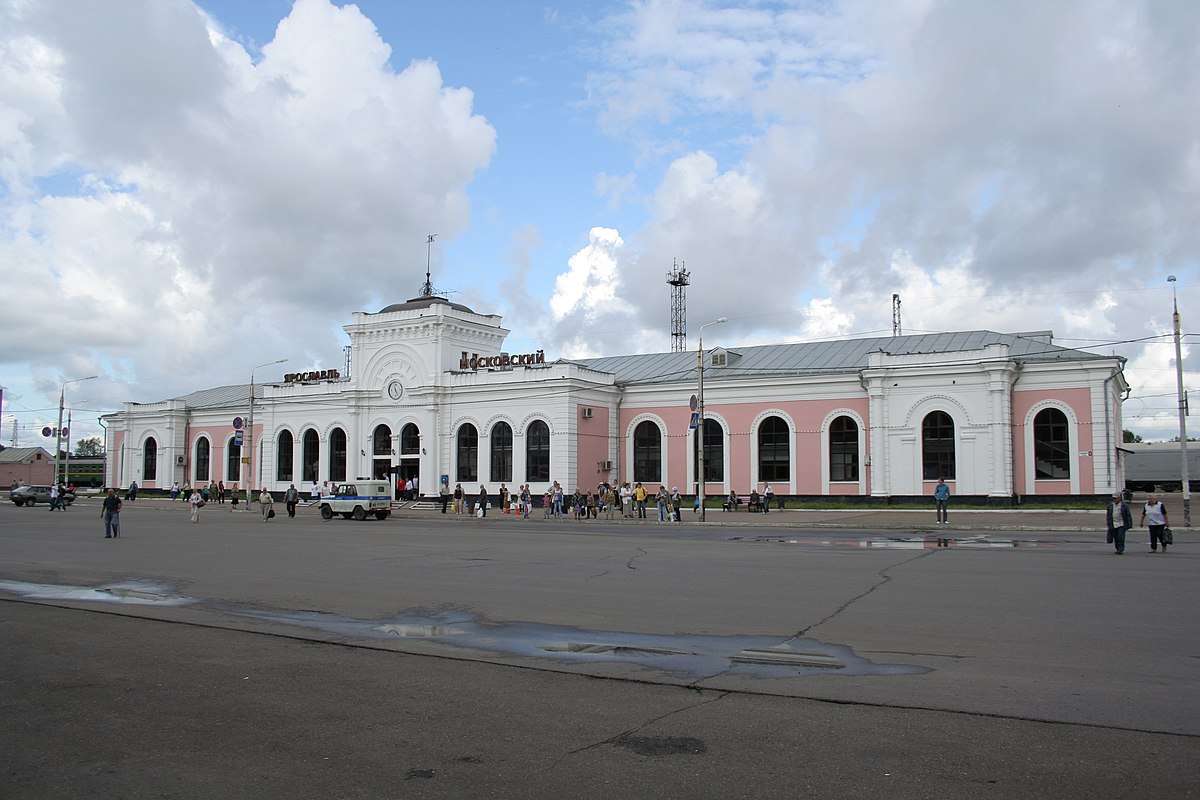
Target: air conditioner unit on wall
{"type": "Point", "coordinates": [605, 466]}
{"type": "Point", "coordinates": [588, 412]}
{"type": "Point", "coordinates": [179, 460]}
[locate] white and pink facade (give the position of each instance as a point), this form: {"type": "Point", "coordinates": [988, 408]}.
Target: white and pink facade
{"type": "Point", "coordinates": [432, 394]}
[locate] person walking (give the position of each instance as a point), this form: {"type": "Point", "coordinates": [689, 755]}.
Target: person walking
{"type": "Point", "coordinates": [197, 503]}
{"type": "Point", "coordinates": [133, 489]}
{"type": "Point", "coordinates": [1155, 513]}
{"type": "Point", "coordinates": [483, 501]}
{"type": "Point", "coordinates": [314, 494]}
{"type": "Point", "coordinates": [413, 490]}
{"type": "Point", "coordinates": [174, 490]}
{"type": "Point", "coordinates": [767, 496]}
{"type": "Point", "coordinates": [267, 503]}
{"type": "Point", "coordinates": [54, 496]}
{"type": "Point", "coordinates": [110, 510]}
{"type": "Point", "coordinates": [941, 496]}
{"type": "Point", "coordinates": [1119, 520]}
{"type": "Point", "coordinates": [290, 498]}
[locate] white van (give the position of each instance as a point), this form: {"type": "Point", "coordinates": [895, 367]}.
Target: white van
{"type": "Point", "coordinates": [357, 499]}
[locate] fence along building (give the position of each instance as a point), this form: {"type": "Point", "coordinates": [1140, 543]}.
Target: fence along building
{"type": "Point", "coordinates": [432, 394]}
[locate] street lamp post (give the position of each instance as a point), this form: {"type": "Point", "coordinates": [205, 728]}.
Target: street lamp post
{"type": "Point", "coordinates": [62, 396]}
{"type": "Point", "coordinates": [1183, 455]}
{"type": "Point", "coordinates": [700, 409]}
{"type": "Point", "coordinates": [248, 447]}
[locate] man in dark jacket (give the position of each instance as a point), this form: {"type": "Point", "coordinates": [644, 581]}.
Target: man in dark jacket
{"type": "Point", "coordinates": [1119, 519]}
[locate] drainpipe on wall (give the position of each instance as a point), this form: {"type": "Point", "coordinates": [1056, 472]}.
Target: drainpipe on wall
{"type": "Point", "coordinates": [1110, 456]}
{"type": "Point", "coordinates": [619, 438]}
{"type": "Point", "coordinates": [1012, 413]}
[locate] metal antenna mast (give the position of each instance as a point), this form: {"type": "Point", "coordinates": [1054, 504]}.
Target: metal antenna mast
{"type": "Point", "coordinates": [896, 331]}
{"type": "Point", "coordinates": [678, 279]}
{"type": "Point", "coordinates": [427, 288]}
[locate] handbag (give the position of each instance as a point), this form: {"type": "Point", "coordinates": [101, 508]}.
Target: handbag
{"type": "Point", "coordinates": [1167, 536]}
{"type": "Point", "coordinates": [200, 504]}
{"type": "Point", "coordinates": [1111, 536]}
{"type": "Point", "coordinates": [270, 513]}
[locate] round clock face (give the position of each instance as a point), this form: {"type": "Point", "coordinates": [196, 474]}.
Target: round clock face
{"type": "Point", "coordinates": [395, 390]}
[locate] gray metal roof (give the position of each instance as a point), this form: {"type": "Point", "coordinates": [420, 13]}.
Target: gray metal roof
{"type": "Point", "coordinates": [833, 357]}
{"type": "Point", "coordinates": [19, 455]}
{"type": "Point", "coordinates": [219, 397]}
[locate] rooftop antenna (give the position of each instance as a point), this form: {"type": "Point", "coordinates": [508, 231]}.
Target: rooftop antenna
{"type": "Point", "coordinates": [896, 330]}
{"type": "Point", "coordinates": [427, 287]}
{"type": "Point", "coordinates": [678, 279]}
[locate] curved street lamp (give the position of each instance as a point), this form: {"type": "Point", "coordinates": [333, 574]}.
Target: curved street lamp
{"type": "Point", "coordinates": [1184, 487]}
{"type": "Point", "coordinates": [248, 448]}
{"type": "Point", "coordinates": [59, 430]}
{"type": "Point", "coordinates": [700, 408]}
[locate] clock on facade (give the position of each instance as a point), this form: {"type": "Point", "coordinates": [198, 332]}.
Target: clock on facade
{"type": "Point", "coordinates": [395, 390]}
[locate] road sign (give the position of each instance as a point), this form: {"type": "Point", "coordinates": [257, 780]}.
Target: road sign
{"type": "Point", "coordinates": [695, 423]}
{"type": "Point", "coordinates": [237, 438]}
{"type": "Point", "coordinates": [47, 431]}
{"type": "Point", "coordinates": [694, 403]}
{"type": "Point", "coordinates": [237, 423]}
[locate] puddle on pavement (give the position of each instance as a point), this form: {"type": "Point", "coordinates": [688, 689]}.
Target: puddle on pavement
{"type": "Point", "coordinates": [695, 656]}
{"type": "Point", "coordinates": [127, 592]}
{"type": "Point", "coordinates": [906, 542]}
{"type": "Point", "coordinates": [682, 654]}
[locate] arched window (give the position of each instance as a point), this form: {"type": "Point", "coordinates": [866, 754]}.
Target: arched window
{"type": "Point", "coordinates": [1051, 445]}
{"type": "Point", "coordinates": [843, 449]}
{"type": "Point", "coordinates": [714, 452]}
{"type": "Point", "coordinates": [203, 449]}
{"type": "Point", "coordinates": [502, 454]}
{"type": "Point", "coordinates": [311, 457]}
{"type": "Point", "coordinates": [937, 446]}
{"type": "Point", "coordinates": [468, 454]}
{"type": "Point", "coordinates": [381, 441]}
{"type": "Point", "coordinates": [410, 440]}
{"type": "Point", "coordinates": [537, 451]}
{"type": "Point", "coordinates": [774, 451]}
{"type": "Point", "coordinates": [233, 461]}
{"type": "Point", "coordinates": [337, 455]}
{"type": "Point", "coordinates": [283, 457]}
{"type": "Point", "coordinates": [647, 452]}
{"type": "Point", "coordinates": [150, 460]}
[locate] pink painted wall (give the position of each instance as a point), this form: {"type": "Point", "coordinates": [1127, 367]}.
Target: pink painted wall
{"type": "Point", "coordinates": [806, 416]}
{"type": "Point", "coordinates": [1080, 402]}
{"type": "Point", "coordinates": [114, 465]}
{"type": "Point", "coordinates": [593, 446]}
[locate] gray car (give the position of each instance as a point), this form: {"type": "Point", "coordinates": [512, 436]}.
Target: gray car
{"type": "Point", "coordinates": [32, 495]}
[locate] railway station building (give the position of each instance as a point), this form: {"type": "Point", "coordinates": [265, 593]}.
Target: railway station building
{"type": "Point", "coordinates": [432, 393]}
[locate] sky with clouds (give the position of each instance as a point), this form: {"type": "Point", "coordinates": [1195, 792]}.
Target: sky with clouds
{"type": "Point", "coordinates": [188, 190]}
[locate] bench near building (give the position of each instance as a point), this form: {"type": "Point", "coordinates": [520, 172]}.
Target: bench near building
{"type": "Point", "coordinates": [431, 393]}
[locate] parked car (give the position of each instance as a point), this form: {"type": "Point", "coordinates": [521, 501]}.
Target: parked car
{"type": "Point", "coordinates": [32, 495]}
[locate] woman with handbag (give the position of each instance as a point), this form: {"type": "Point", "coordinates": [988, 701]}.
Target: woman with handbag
{"type": "Point", "coordinates": [1155, 513]}
{"type": "Point", "coordinates": [1119, 520]}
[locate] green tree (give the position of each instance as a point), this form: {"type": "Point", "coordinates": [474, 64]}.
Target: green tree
{"type": "Point", "coordinates": [91, 447]}
{"type": "Point", "coordinates": [1130, 437]}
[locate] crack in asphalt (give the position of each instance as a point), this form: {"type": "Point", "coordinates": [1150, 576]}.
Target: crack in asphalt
{"type": "Point", "coordinates": [884, 578]}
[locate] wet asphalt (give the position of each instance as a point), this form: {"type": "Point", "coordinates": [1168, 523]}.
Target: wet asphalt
{"type": "Point", "coordinates": [299, 658]}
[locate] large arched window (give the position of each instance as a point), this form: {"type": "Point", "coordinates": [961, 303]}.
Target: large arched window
{"type": "Point", "coordinates": [233, 461]}
{"type": "Point", "coordinates": [203, 451]}
{"type": "Point", "coordinates": [311, 457]}
{"type": "Point", "coordinates": [647, 452]}
{"type": "Point", "coordinates": [537, 451]}
{"type": "Point", "coordinates": [774, 451]}
{"type": "Point", "coordinates": [937, 446]}
{"type": "Point", "coordinates": [283, 457]}
{"type": "Point", "coordinates": [843, 449]}
{"type": "Point", "coordinates": [410, 440]}
{"type": "Point", "coordinates": [150, 460]}
{"type": "Point", "coordinates": [381, 441]}
{"type": "Point", "coordinates": [468, 454]}
{"type": "Point", "coordinates": [714, 452]}
{"type": "Point", "coordinates": [502, 452]}
{"type": "Point", "coordinates": [1051, 445]}
{"type": "Point", "coordinates": [337, 455]}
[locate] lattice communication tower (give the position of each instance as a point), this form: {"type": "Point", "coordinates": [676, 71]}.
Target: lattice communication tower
{"type": "Point", "coordinates": [896, 330]}
{"type": "Point", "coordinates": [678, 279]}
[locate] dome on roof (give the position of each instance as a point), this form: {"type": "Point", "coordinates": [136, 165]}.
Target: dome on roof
{"type": "Point", "coordinates": [424, 302]}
